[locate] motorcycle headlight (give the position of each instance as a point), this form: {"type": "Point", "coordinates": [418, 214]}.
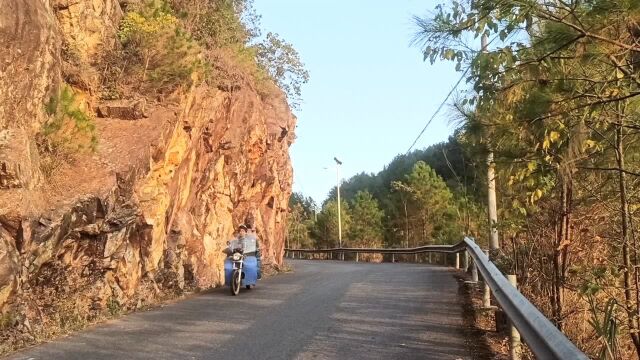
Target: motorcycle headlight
{"type": "Point", "coordinates": [236, 257]}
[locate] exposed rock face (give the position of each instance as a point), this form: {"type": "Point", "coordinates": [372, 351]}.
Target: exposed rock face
{"type": "Point", "coordinates": [28, 66]}
{"type": "Point", "coordinates": [151, 210]}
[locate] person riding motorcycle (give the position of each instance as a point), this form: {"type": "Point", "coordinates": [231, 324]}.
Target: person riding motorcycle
{"type": "Point", "coordinates": [248, 243]}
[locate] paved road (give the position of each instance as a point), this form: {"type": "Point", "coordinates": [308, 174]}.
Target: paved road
{"type": "Point", "coordinates": [322, 310]}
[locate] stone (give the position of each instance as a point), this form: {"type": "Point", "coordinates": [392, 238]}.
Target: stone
{"type": "Point", "coordinates": [122, 109]}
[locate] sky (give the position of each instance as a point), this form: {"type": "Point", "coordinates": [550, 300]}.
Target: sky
{"type": "Point", "coordinates": [369, 93]}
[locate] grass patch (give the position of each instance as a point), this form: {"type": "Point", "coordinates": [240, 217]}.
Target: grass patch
{"type": "Point", "coordinates": [69, 130]}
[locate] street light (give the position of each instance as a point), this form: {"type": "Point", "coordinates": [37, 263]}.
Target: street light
{"type": "Point", "coordinates": [338, 163]}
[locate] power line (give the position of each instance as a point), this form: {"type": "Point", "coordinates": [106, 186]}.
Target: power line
{"type": "Point", "coordinates": [439, 108]}
{"type": "Point", "coordinates": [445, 100]}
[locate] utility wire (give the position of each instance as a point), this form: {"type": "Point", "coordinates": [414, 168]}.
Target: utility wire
{"type": "Point", "coordinates": [445, 101]}
{"type": "Point", "coordinates": [439, 108]}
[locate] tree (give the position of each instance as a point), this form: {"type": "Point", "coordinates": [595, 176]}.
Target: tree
{"type": "Point", "coordinates": [366, 228]}
{"type": "Point", "coordinates": [301, 221]}
{"type": "Point", "coordinates": [432, 205]}
{"type": "Point", "coordinates": [326, 227]}
{"type": "Point", "coordinates": [556, 98]}
{"type": "Point", "coordinates": [282, 62]}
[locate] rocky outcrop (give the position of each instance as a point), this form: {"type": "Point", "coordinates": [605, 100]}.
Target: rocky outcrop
{"type": "Point", "coordinates": [29, 64]}
{"type": "Point", "coordinates": [122, 109]}
{"type": "Point", "coordinates": [149, 212]}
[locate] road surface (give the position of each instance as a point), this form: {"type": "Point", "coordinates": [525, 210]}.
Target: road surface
{"type": "Point", "coordinates": [321, 310]}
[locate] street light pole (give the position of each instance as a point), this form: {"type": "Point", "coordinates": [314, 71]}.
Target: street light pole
{"type": "Point", "coordinates": [339, 219]}
{"type": "Point", "coordinates": [338, 163]}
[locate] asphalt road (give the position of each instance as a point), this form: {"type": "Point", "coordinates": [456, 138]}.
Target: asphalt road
{"type": "Point", "coordinates": [322, 310]}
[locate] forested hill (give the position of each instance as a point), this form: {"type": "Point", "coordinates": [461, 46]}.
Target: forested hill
{"type": "Point", "coordinates": [448, 159]}
{"type": "Point", "coordinates": [422, 197]}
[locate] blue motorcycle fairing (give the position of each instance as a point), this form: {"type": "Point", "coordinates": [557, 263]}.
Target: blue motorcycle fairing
{"type": "Point", "coordinates": [249, 268]}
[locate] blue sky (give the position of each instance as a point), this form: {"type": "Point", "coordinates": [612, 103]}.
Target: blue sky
{"type": "Point", "coordinates": [369, 94]}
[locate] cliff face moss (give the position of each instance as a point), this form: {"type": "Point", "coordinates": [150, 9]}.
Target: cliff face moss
{"type": "Point", "coordinates": [144, 215]}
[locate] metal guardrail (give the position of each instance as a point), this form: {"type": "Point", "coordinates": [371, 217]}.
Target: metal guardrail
{"type": "Point", "coordinates": [542, 337]}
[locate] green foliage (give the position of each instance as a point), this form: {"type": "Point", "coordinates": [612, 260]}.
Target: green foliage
{"type": "Point", "coordinates": [282, 63]}
{"type": "Point", "coordinates": [219, 23]}
{"type": "Point", "coordinates": [159, 52]}
{"type": "Point", "coordinates": [7, 320]}
{"type": "Point", "coordinates": [232, 27]}
{"type": "Point", "coordinates": [69, 126]}
{"type": "Point", "coordinates": [606, 326]}
{"type": "Point", "coordinates": [432, 205]}
{"type": "Point", "coordinates": [366, 228]}
{"type": "Point", "coordinates": [401, 223]}
{"type": "Point", "coordinates": [301, 221]}
{"type": "Point", "coordinates": [554, 102]}
{"type": "Point", "coordinates": [326, 227]}
{"type": "Point", "coordinates": [113, 306]}
{"type": "Point", "coordinates": [307, 204]}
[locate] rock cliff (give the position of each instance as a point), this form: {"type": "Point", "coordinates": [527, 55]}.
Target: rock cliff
{"type": "Point", "coordinates": [148, 212]}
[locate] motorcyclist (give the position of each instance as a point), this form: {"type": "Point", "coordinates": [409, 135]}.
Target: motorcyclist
{"type": "Point", "coordinates": [247, 241]}
{"type": "Point", "coordinates": [239, 242]}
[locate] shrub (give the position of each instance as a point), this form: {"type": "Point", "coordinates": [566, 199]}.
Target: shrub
{"type": "Point", "coordinates": [69, 124]}
{"type": "Point", "coordinates": [69, 129]}
{"type": "Point", "coordinates": [158, 53]}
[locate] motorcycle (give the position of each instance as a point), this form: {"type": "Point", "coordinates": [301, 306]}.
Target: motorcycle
{"type": "Point", "coordinates": [240, 270]}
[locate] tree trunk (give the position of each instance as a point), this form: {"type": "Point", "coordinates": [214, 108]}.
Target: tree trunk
{"type": "Point", "coordinates": [628, 267]}
{"type": "Point", "coordinates": [406, 224]}
{"type": "Point", "coordinates": [563, 239]}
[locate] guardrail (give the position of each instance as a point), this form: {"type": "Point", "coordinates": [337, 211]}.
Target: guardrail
{"type": "Point", "coordinates": [542, 337]}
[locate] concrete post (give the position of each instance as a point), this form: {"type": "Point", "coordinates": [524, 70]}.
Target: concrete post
{"type": "Point", "coordinates": [486, 293]}
{"type": "Point", "coordinates": [465, 261]}
{"type": "Point", "coordinates": [514, 335]}
{"type": "Point", "coordinates": [457, 261]}
{"type": "Point", "coordinates": [474, 272]}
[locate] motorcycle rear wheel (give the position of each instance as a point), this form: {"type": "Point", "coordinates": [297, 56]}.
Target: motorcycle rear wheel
{"type": "Point", "coordinates": [236, 280]}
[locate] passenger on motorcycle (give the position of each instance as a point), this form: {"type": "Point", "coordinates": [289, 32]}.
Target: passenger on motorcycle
{"type": "Point", "coordinates": [248, 246]}
{"type": "Point", "coordinates": [251, 232]}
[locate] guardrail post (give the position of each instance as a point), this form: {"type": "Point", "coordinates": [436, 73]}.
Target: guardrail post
{"type": "Point", "coordinates": [416, 257]}
{"type": "Point", "coordinates": [514, 335]}
{"type": "Point", "coordinates": [393, 258]}
{"type": "Point", "coordinates": [465, 261]}
{"type": "Point", "coordinates": [430, 258]}
{"type": "Point", "coordinates": [457, 261]}
{"type": "Point", "coordinates": [474, 272]}
{"type": "Point", "coordinates": [486, 293]}
{"type": "Point", "coordinates": [357, 253]}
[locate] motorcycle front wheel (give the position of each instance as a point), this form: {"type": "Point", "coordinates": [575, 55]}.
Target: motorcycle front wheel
{"type": "Point", "coordinates": [236, 280]}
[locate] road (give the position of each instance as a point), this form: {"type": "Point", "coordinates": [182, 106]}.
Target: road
{"type": "Point", "coordinates": [321, 310]}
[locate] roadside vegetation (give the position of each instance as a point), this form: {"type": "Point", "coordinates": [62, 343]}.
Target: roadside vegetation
{"type": "Point", "coordinates": [555, 99]}
{"type": "Point", "coordinates": [163, 47]}
{"type": "Point", "coordinates": [169, 45]}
